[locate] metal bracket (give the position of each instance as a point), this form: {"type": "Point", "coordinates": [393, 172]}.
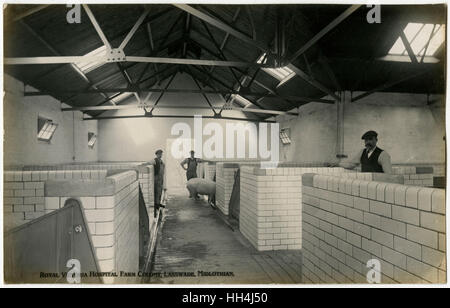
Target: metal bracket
{"type": "Point", "coordinates": [115, 55]}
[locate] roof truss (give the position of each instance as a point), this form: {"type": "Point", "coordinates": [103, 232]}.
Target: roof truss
{"type": "Point", "coordinates": [216, 71]}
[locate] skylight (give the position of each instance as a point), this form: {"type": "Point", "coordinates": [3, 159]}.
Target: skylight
{"type": "Point", "coordinates": [241, 100]}
{"type": "Point", "coordinates": [46, 129]}
{"type": "Point", "coordinates": [121, 97]}
{"type": "Point", "coordinates": [282, 73]}
{"type": "Point", "coordinates": [425, 39]}
{"type": "Point", "coordinates": [87, 67]}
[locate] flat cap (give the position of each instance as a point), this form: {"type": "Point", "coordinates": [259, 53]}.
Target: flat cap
{"type": "Point", "coordinates": [158, 151]}
{"type": "Point", "coordinates": [369, 134]}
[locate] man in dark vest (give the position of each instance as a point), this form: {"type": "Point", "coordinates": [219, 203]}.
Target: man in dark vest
{"type": "Point", "coordinates": [191, 169]}
{"type": "Point", "coordinates": [192, 164]}
{"type": "Point", "coordinates": [371, 158]}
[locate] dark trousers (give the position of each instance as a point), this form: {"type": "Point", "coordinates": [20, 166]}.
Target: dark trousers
{"type": "Point", "coordinates": [158, 193]}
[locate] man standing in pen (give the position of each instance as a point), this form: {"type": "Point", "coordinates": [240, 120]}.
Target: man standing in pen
{"type": "Point", "coordinates": [371, 158]}
{"type": "Point", "coordinates": [192, 164]}
{"type": "Point", "coordinates": [191, 169]}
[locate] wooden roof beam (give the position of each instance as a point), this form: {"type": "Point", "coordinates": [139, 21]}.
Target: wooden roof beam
{"type": "Point", "coordinates": [324, 31]}
{"type": "Point", "coordinates": [226, 28]}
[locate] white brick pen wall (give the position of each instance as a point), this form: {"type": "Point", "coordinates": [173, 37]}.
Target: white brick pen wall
{"type": "Point", "coordinates": [346, 223]}
{"type": "Point", "coordinates": [225, 178]}
{"type": "Point", "coordinates": [416, 175]}
{"type": "Point", "coordinates": [210, 171]}
{"type": "Point", "coordinates": [206, 170]}
{"type": "Point", "coordinates": [271, 206]}
{"type": "Point", "coordinates": [65, 171]}
{"type": "Point", "coordinates": [84, 166]}
{"type": "Point", "coordinates": [439, 169]}
{"type": "Point", "coordinates": [110, 205]}
{"type": "Point", "coordinates": [126, 230]}
{"type": "Point", "coordinates": [270, 210]}
{"type": "Point", "coordinates": [224, 185]}
{"type": "Point", "coordinates": [24, 192]}
{"type": "Point", "coordinates": [271, 202]}
{"type": "Point", "coordinates": [145, 173]}
{"type": "Point", "coordinates": [147, 181]}
{"type": "Point", "coordinates": [113, 221]}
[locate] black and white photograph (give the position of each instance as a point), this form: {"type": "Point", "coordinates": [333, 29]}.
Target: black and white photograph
{"type": "Point", "coordinates": [224, 143]}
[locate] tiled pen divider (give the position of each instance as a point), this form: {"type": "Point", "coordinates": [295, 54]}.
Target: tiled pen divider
{"type": "Point", "coordinates": [145, 174]}
{"type": "Point", "coordinates": [206, 170]}
{"type": "Point", "coordinates": [416, 175]}
{"type": "Point", "coordinates": [224, 185]}
{"type": "Point", "coordinates": [24, 192]}
{"type": "Point", "coordinates": [271, 205]}
{"type": "Point", "coordinates": [225, 173]}
{"type": "Point", "coordinates": [209, 170]}
{"type": "Point", "coordinates": [84, 166]}
{"type": "Point", "coordinates": [378, 177]}
{"type": "Point", "coordinates": [271, 202]}
{"type": "Point", "coordinates": [110, 204]}
{"type": "Point", "coordinates": [146, 180]}
{"type": "Point", "coordinates": [346, 223]}
{"type": "Point", "coordinates": [439, 169]}
{"type": "Point", "coordinates": [111, 208]}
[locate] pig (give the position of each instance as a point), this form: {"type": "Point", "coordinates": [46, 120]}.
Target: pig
{"type": "Point", "coordinates": [198, 186]}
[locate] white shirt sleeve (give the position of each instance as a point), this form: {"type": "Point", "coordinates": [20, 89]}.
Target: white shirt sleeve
{"type": "Point", "coordinates": [353, 162]}
{"type": "Point", "coordinates": [356, 159]}
{"type": "Point", "coordinates": [385, 161]}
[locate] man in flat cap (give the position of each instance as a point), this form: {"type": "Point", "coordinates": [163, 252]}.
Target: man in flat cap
{"type": "Point", "coordinates": [371, 158]}
{"type": "Point", "coordinates": [159, 170]}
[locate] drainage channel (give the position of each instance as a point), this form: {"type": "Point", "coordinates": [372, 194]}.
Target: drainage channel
{"type": "Point", "coordinates": [152, 247]}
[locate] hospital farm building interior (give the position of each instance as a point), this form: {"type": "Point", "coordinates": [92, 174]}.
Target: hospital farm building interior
{"type": "Point", "coordinates": [224, 144]}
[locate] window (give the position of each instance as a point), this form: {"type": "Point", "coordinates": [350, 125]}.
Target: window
{"type": "Point", "coordinates": [120, 97]}
{"type": "Point", "coordinates": [284, 136]}
{"type": "Point", "coordinates": [425, 40]}
{"type": "Point", "coordinates": [86, 67]}
{"type": "Point", "coordinates": [283, 74]}
{"type": "Point", "coordinates": [241, 100]}
{"type": "Point", "coordinates": [92, 138]}
{"type": "Point", "coordinates": [46, 129]}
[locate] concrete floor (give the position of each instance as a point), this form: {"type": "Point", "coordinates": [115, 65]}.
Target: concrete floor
{"type": "Point", "coordinates": [195, 238]}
